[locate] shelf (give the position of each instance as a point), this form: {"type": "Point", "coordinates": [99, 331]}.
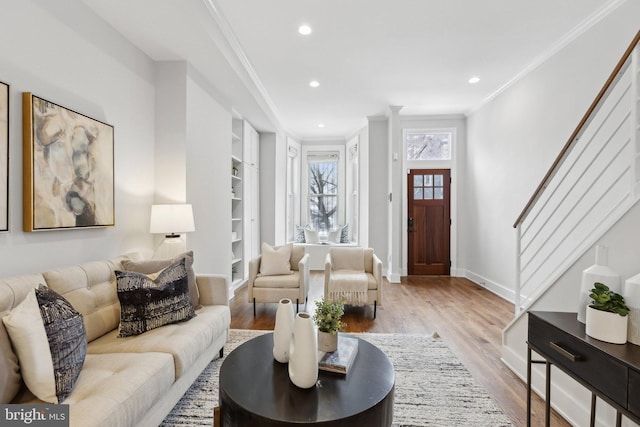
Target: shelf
{"type": "Point", "coordinates": [236, 219]}
{"type": "Point", "coordinates": [236, 199]}
{"type": "Point", "coordinates": [236, 260]}
{"type": "Point", "coordinates": [235, 137]}
{"type": "Point", "coordinates": [236, 240]}
{"type": "Point", "coordinates": [236, 159]}
{"type": "Point", "coordinates": [235, 177]}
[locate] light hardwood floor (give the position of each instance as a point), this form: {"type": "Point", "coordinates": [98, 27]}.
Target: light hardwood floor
{"type": "Point", "coordinates": [468, 317]}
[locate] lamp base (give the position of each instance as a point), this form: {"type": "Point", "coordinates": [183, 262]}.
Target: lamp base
{"type": "Point", "coordinates": [170, 247]}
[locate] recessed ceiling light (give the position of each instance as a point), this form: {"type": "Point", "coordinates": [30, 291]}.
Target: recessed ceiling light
{"type": "Point", "coordinates": [314, 83]}
{"type": "Point", "coordinates": [305, 30]}
{"type": "Point", "coordinates": [321, 125]}
{"type": "Point", "coordinates": [474, 80]}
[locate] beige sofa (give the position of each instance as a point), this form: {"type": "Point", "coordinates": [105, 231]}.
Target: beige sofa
{"type": "Point", "coordinates": [133, 381]}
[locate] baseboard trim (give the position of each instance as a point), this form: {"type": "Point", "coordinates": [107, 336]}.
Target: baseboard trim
{"type": "Point", "coordinates": [498, 289]}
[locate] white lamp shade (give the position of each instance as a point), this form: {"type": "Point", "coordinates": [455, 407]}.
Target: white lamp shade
{"type": "Point", "coordinates": [167, 219]}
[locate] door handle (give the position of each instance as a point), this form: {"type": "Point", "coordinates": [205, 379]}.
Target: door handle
{"type": "Point", "coordinates": [410, 224]}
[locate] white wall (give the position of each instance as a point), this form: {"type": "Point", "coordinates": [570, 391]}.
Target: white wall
{"type": "Point", "coordinates": [64, 53]}
{"type": "Point", "coordinates": [208, 176]}
{"type": "Point", "coordinates": [513, 140]}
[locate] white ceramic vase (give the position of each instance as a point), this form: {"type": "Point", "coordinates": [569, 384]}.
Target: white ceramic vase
{"type": "Point", "coordinates": [606, 326]}
{"type": "Point", "coordinates": [303, 352]}
{"type": "Point", "coordinates": [327, 341]}
{"type": "Point", "coordinates": [283, 330]}
{"type": "Point", "coordinates": [599, 272]}
{"type": "Point", "coordinates": [632, 300]}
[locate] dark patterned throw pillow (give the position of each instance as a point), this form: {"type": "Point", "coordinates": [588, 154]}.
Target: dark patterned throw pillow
{"type": "Point", "coordinates": [67, 339]}
{"type": "Point", "coordinates": [150, 301]}
{"type": "Point", "coordinates": [50, 340]}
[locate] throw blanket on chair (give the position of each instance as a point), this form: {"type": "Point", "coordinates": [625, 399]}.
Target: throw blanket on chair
{"type": "Point", "coordinates": [348, 287]}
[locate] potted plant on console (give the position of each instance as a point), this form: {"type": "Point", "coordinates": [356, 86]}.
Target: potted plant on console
{"type": "Point", "coordinates": [327, 319]}
{"type": "Point", "coordinates": [607, 315]}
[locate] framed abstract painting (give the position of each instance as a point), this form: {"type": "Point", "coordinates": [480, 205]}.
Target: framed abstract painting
{"type": "Point", "coordinates": [4, 156]}
{"type": "Point", "coordinates": [68, 165]}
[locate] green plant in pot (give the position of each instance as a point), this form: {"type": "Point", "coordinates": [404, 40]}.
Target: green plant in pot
{"type": "Point", "coordinates": [327, 318]}
{"type": "Point", "coordinates": [607, 315]}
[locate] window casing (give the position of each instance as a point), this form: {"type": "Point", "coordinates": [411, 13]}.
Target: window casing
{"type": "Point", "coordinates": [323, 187]}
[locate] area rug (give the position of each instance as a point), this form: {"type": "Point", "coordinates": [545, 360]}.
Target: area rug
{"type": "Point", "coordinates": [433, 388]}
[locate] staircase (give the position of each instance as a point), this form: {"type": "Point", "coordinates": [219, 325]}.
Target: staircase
{"type": "Point", "coordinates": [593, 183]}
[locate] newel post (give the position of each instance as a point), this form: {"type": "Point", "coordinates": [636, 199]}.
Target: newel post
{"type": "Point", "coordinates": [518, 305]}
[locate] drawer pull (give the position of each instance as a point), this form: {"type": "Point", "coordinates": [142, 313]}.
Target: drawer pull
{"type": "Point", "coordinates": [566, 353]}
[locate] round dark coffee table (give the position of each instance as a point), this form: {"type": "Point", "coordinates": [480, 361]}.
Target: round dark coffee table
{"type": "Point", "coordinates": [255, 390]}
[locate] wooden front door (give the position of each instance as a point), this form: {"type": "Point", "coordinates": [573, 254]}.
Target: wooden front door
{"type": "Point", "coordinates": [429, 221]}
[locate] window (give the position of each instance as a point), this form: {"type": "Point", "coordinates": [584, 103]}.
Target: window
{"type": "Point", "coordinates": [428, 145]}
{"type": "Point", "coordinates": [428, 187]}
{"type": "Point", "coordinates": [323, 190]}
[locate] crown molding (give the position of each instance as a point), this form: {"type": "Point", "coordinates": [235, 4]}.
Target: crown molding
{"type": "Point", "coordinates": [563, 42]}
{"type": "Point", "coordinates": [237, 58]}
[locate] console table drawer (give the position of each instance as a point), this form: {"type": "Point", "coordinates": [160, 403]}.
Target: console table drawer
{"type": "Point", "coordinates": [582, 361]}
{"type": "Point", "coordinates": [634, 392]}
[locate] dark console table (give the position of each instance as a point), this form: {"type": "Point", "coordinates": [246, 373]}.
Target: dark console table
{"type": "Point", "coordinates": [609, 371]}
{"type": "Point", "coordinates": [255, 390]}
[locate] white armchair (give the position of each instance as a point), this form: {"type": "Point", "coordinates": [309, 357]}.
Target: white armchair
{"type": "Point", "coordinates": [353, 276]}
{"type": "Point", "coordinates": [273, 287]}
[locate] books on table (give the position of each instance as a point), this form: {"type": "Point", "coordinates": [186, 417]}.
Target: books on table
{"type": "Point", "coordinates": [340, 360]}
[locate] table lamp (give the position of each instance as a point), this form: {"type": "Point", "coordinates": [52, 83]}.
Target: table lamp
{"type": "Point", "coordinates": [171, 220]}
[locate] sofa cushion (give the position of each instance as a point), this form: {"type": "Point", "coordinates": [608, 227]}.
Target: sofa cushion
{"type": "Point", "coordinates": [284, 281]}
{"type": "Point", "coordinates": [347, 259]}
{"type": "Point", "coordinates": [116, 389]}
{"type": "Point", "coordinates": [12, 291]}
{"type": "Point", "coordinates": [297, 253]}
{"type": "Point", "coordinates": [91, 289]}
{"type": "Point", "coordinates": [310, 236]}
{"type": "Point", "coordinates": [154, 266]}
{"type": "Point", "coordinates": [275, 260]}
{"type": "Point", "coordinates": [50, 339]}
{"type": "Point", "coordinates": [185, 341]}
{"type": "Point", "coordinates": [148, 302]}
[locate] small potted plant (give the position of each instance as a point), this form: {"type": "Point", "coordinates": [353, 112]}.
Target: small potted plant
{"type": "Point", "coordinates": [327, 319]}
{"type": "Point", "coordinates": [607, 315]}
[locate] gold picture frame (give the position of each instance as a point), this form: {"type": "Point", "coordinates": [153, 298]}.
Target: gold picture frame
{"type": "Point", "coordinates": [4, 156]}
{"type": "Point", "coordinates": [68, 168]}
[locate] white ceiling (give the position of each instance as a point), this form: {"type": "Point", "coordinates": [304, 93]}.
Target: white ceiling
{"type": "Point", "coordinates": [366, 54]}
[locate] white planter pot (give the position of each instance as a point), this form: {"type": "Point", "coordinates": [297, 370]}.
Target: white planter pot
{"type": "Point", "coordinates": [327, 341]}
{"type": "Point", "coordinates": [599, 272]}
{"type": "Point", "coordinates": [283, 330]}
{"type": "Point", "coordinates": [303, 352]}
{"type": "Point", "coordinates": [605, 326]}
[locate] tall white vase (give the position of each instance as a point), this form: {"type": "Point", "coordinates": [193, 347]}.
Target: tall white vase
{"type": "Point", "coordinates": [599, 272]}
{"type": "Point", "coordinates": [303, 352]}
{"type": "Point", "coordinates": [283, 330]}
{"type": "Point", "coordinates": [632, 300]}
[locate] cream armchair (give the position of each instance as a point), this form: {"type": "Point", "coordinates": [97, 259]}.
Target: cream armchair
{"type": "Point", "coordinates": [353, 276]}
{"type": "Point", "coordinates": [273, 287]}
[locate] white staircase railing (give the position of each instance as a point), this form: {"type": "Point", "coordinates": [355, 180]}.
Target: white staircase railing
{"type": "Point", "coordinates": [592, 183]}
